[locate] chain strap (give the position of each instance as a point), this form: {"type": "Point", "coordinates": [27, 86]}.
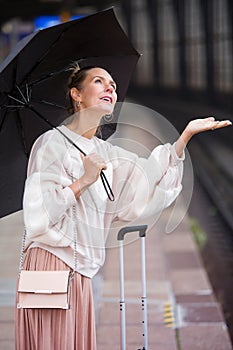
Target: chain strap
{"type": "Point", "coordinates": [23, 245]}
{"type": "Point", "coordinates": [22, 250]}
{"type": "Point", "coordinates": [75, 239]}
{"type": "Point", "coordinates": [74, 214]}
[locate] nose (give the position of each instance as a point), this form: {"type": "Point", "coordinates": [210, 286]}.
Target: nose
{"type": "Point", "coordinates": [109, 88]}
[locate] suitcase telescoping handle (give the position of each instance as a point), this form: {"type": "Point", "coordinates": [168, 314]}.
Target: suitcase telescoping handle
{"type": "Point", "coordinates": [139, 228]}
{"type": "Point", "coordinates": [121, 235]}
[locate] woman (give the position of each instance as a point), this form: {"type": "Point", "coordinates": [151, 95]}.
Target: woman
{"type": "Point", "coordinates": [61, 179]}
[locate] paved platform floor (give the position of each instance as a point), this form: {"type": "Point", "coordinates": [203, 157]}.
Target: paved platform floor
{"type": "Point", "coordinates": [182, 310]}
{"type": "Point", "coordinates": [183, 313]}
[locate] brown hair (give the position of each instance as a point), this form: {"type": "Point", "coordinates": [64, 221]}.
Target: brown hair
{"type": "Point", "coordinates": [76, 80]}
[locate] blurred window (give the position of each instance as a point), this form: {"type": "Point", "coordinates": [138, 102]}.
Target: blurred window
{"type": "Point", "coordinates": [195, 45]}
{"type": "Point", "coordinates": [142, 38]}
{"type": "Point", "coordinates": [222, 47]}
{"type": "Point", "coordinates": [168, 45]}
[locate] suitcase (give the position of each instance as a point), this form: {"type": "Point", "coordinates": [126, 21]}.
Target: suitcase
{"type": "Point", "coordinates": [142, 234]}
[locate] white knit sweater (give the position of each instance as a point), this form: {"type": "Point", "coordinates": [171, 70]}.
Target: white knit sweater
{"type": "Point", "coordinates": [142, 187]}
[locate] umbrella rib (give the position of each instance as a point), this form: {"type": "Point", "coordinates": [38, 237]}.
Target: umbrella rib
{"type": "Point", "coordinates": [43, 56]}
{"type": "Point", "coordinates": [3, 119]}
{"type": "Point", "coordinates": [16, 99]}
{"type": "Point", "coordinates": [14, 106]}
{"type": "Point", "coordinates": [27, 92]}
{"type": "Point", "coordinates": [21, 93]}
{"type": "Point", "coordinates": [47, 76]}
{"type": "Point", "coordinates": [50, 104]}
{"type": "Point", "coordinates": [19, 124]}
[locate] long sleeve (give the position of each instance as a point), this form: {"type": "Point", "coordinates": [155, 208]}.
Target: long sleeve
{"type": "Point", "coordinates": [146, 186]}
{"type": "Point", "coordinates": [47, 197]}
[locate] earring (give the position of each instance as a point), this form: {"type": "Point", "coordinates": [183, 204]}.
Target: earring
{"type": "Point", "coordinates": [108, 117]}
{"type": "Point", "coordinates": [77, 104]}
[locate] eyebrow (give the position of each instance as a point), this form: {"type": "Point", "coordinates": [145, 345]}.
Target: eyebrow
{"type": "Point", "coordinates": [102, 77]}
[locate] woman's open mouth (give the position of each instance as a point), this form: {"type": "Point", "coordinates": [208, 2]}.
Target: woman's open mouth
{"type": "Point", "coordinates": [107, 99]}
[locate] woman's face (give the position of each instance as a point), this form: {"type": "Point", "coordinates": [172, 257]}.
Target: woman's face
{"type": "Point", "coordinates": [98, 91]}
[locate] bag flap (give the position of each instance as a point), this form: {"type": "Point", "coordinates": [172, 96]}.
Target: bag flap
{"type": "Point", "coordinates": [43, 281]}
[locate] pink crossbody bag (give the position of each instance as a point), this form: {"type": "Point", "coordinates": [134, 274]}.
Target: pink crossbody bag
{"type": "Point", "coordinates": [45, 289]}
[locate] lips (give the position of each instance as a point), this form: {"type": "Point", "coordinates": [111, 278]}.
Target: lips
{"type": "Point", "coordinates": [107, 99]}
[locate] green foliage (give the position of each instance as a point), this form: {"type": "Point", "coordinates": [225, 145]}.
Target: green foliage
{"type": "Point", "coordinates": [199, 235]}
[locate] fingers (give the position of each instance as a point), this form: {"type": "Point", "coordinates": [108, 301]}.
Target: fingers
{"type": "Point", "coordinates": [93, 165]}
{"type": "Point", "coordinates": [82, 156]}
{"type": "Point", "coordinates": [220, 124]}
{"type": "Point", "coordinates": [97, 161]}
{"type": "Point", "coordinates": [213, 124]}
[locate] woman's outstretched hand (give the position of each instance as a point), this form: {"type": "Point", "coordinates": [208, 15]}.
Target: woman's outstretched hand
{"type": "Point", "coordinates": [195, 127]}
{"type": "Point", "coordinates": [199, 125]}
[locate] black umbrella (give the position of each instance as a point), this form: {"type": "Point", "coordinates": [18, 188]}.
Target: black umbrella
{"type": "Point", "coordinates": [33, 88]}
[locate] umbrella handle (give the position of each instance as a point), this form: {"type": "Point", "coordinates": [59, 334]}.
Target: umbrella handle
{"type": "Point", "coordinates": [107, 187]}
{"type": "Point", "coordinates": [104, 180]}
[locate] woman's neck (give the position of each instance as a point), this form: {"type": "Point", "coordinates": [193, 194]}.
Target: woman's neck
{"type": "Point", "coordinates": [89, 134]}
{"type": "Point", "coordinates": [84, 125]}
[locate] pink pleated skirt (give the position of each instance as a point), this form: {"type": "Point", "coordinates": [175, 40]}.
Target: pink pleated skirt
{"type": "Point", "coordinates": [56, 329]}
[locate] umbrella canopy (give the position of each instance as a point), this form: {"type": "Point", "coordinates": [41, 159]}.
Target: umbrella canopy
{"type": "Point", "coordinates": [33, 88]}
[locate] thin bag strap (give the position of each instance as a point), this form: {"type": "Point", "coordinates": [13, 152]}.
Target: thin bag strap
{"type": "Point", "coordinates": [74, 214]}
{"type": "Point", "coordinates": [23, 245]}
{"type": "Point", "coordinates": [22, 250]}
{"type": "Point", "coordinates": [75, 239]}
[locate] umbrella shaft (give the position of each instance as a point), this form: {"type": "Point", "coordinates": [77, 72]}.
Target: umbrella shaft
{"type": "Point", "coordinates": [54, 127]}
{"type": "Point", "coordinates": [104, 180]}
